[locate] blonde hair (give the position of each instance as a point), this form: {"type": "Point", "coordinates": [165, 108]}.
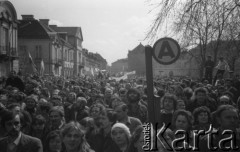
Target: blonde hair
{"type": "Point", "coordinates": [84, 146]}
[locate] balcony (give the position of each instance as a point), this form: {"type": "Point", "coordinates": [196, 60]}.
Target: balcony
{"type": "Point", "coordinates": [81, 64]}
{"type": "Point", "coordinates": [8, 55]}
{"type": "Point", "coordinates": [3, 50]}
{"type": "Point", "coordinates": [58, 62]}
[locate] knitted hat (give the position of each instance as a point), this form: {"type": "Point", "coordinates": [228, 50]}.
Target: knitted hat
{"type": "Point", "coordinates": [32, 97]}
{"type": "Point", "coordinates": [122, 126]}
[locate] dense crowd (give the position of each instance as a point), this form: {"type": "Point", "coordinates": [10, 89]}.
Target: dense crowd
{"type": "Point", "coordinates": [83, 114]}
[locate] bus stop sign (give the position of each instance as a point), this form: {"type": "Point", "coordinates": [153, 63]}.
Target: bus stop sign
{"type": "Point", "coordinates": [166, 51]}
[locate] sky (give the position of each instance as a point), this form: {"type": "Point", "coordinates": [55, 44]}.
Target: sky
{"type": "Point", "coordinates": [109, 27]}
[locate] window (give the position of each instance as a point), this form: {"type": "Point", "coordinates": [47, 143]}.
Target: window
{"type": "Point", "coordinates": [71, 56]}
{"type": "Point", "coordinates": [23, 50]}
{"type": "Point", "coordinates": [60, 54]}
{"type": "Point", "coordinates": [66, 55]}
{"type": "Point", "coordinates": [56, 52]}
{"type": "Point", "coordinates": [38, 51]}
{"type": "Point", "coordinates": [3, 40]}
{"type": "Point", "coordinates": [80, 57]}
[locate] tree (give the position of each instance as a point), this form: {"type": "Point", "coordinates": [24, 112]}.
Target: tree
{"type": "Point", "coordinates": [232, 36]}
{"type": "Point", "coordinates": [197, 23]}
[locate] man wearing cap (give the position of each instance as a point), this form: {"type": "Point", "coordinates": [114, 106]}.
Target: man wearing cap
{"type": "Point", "coordinates": [209, 65]}
{"type": "Point", "coordinates": [77, 111]}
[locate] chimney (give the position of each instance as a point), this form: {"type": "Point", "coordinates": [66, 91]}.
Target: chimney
{"type": "Point", "coordinates": [44, 21]}
{"type": "Point", "coordinates": [28, 17]}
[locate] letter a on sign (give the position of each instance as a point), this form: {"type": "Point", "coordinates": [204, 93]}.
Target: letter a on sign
{"type": "Point", "coordinates": [166, 51]}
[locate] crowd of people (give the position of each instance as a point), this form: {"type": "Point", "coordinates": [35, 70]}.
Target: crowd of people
{"type": "Point", "coordinates": [83, 114]}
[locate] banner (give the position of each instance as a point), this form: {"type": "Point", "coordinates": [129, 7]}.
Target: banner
{"type": "Point", "coordinates": [34, 68]}
{"type": "Point", "coordinates": [42, 68]}
{"type": "Point", "coordinates": [124, 77]}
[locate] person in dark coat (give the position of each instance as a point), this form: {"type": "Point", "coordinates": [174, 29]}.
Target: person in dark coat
{"type": "Point", "coordinates": [77, 111]}
{"type": "Point", "coordinates": [209, 65]}
{"type": "Point", "coordinates": [16, 141]}
{"type": "Point", "coordinates": [15, 81]}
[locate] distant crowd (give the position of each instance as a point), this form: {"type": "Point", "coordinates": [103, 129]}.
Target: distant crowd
{"type": "Point", "coordinates": [83, 114]}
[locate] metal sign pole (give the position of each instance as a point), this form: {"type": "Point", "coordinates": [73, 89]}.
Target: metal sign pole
{"type": "Point", "coordinates": [149, 77]}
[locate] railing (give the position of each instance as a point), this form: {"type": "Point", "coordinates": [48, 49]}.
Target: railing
{"type": "Point", "coordinates": [58, 62]}
{"type": "Point", "coordinates": [12, 52]}
{"type": "Point", "coordinates": [3, 50]}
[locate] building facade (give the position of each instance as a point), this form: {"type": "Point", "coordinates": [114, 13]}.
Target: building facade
{"type": "Point", "coordinates": [75, 38]}
{"type": "Point", "coordinates": [93, 62]}
{"type": "Point", "coordinates": [120, 65]}
{"type": "Point", "coordinates": [60, 48]}
{"type": "Point", "coordinates": [136, 60]}
{"type": "Point", "coordinates": [186, 65]}
{"type": "Point", "coordinates": [8, 38]}
{"type": "Point", "coordinates": [38, 40]}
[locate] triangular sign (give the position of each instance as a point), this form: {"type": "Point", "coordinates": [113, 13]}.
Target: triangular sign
{"type": "Point", "coordinates": [165, 50]}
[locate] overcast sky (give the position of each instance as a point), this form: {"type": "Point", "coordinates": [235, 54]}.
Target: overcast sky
{"type": "Point", "coordinates": [110, 27]}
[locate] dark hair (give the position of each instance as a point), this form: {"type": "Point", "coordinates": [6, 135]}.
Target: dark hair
{"type": "Point", "coordinates": [51, 135]}
{"type": "Point", "coordinates": [200, 89]}
{"type": "Point", "coordinates": [101, 107]}
{"type": "Point", "coordinates": [180, 100]}
{"type": "Point", "coordinates": [9, 115]}
{"type": "Point", "coordinates": [42, 105]}
{"type": "Point", "coordinates": [223, 108]}
{"type": "Point", "coordinates": [112, 116]}
{"type": "Point", "coordinates": [199, 110]}
{"type": "Point", "coordinates": [87, 122]}
{"type": "Point", "coordinates": [38, 119]}
{"type": "Point", "coordinates": [171, 97]}
{"type": "Point", "coordinates": [122, 91]}
{"type": "Point", "coordinates": [185, 113]}
{"type": "Point", "coordinates": [161, 92]}
{"type": "Point", "coordinates": [13, 105]}
{"type": "Point", "coordinates": [56, 100]}
{"type": "Point", "coordinates": [134, 90]}
{"type": "Point", "coordinates": [187, 92]}
{"type": "Point", "coordinates": [58, 109]}
{"type": "Point", "coordinates": [123, 106]}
